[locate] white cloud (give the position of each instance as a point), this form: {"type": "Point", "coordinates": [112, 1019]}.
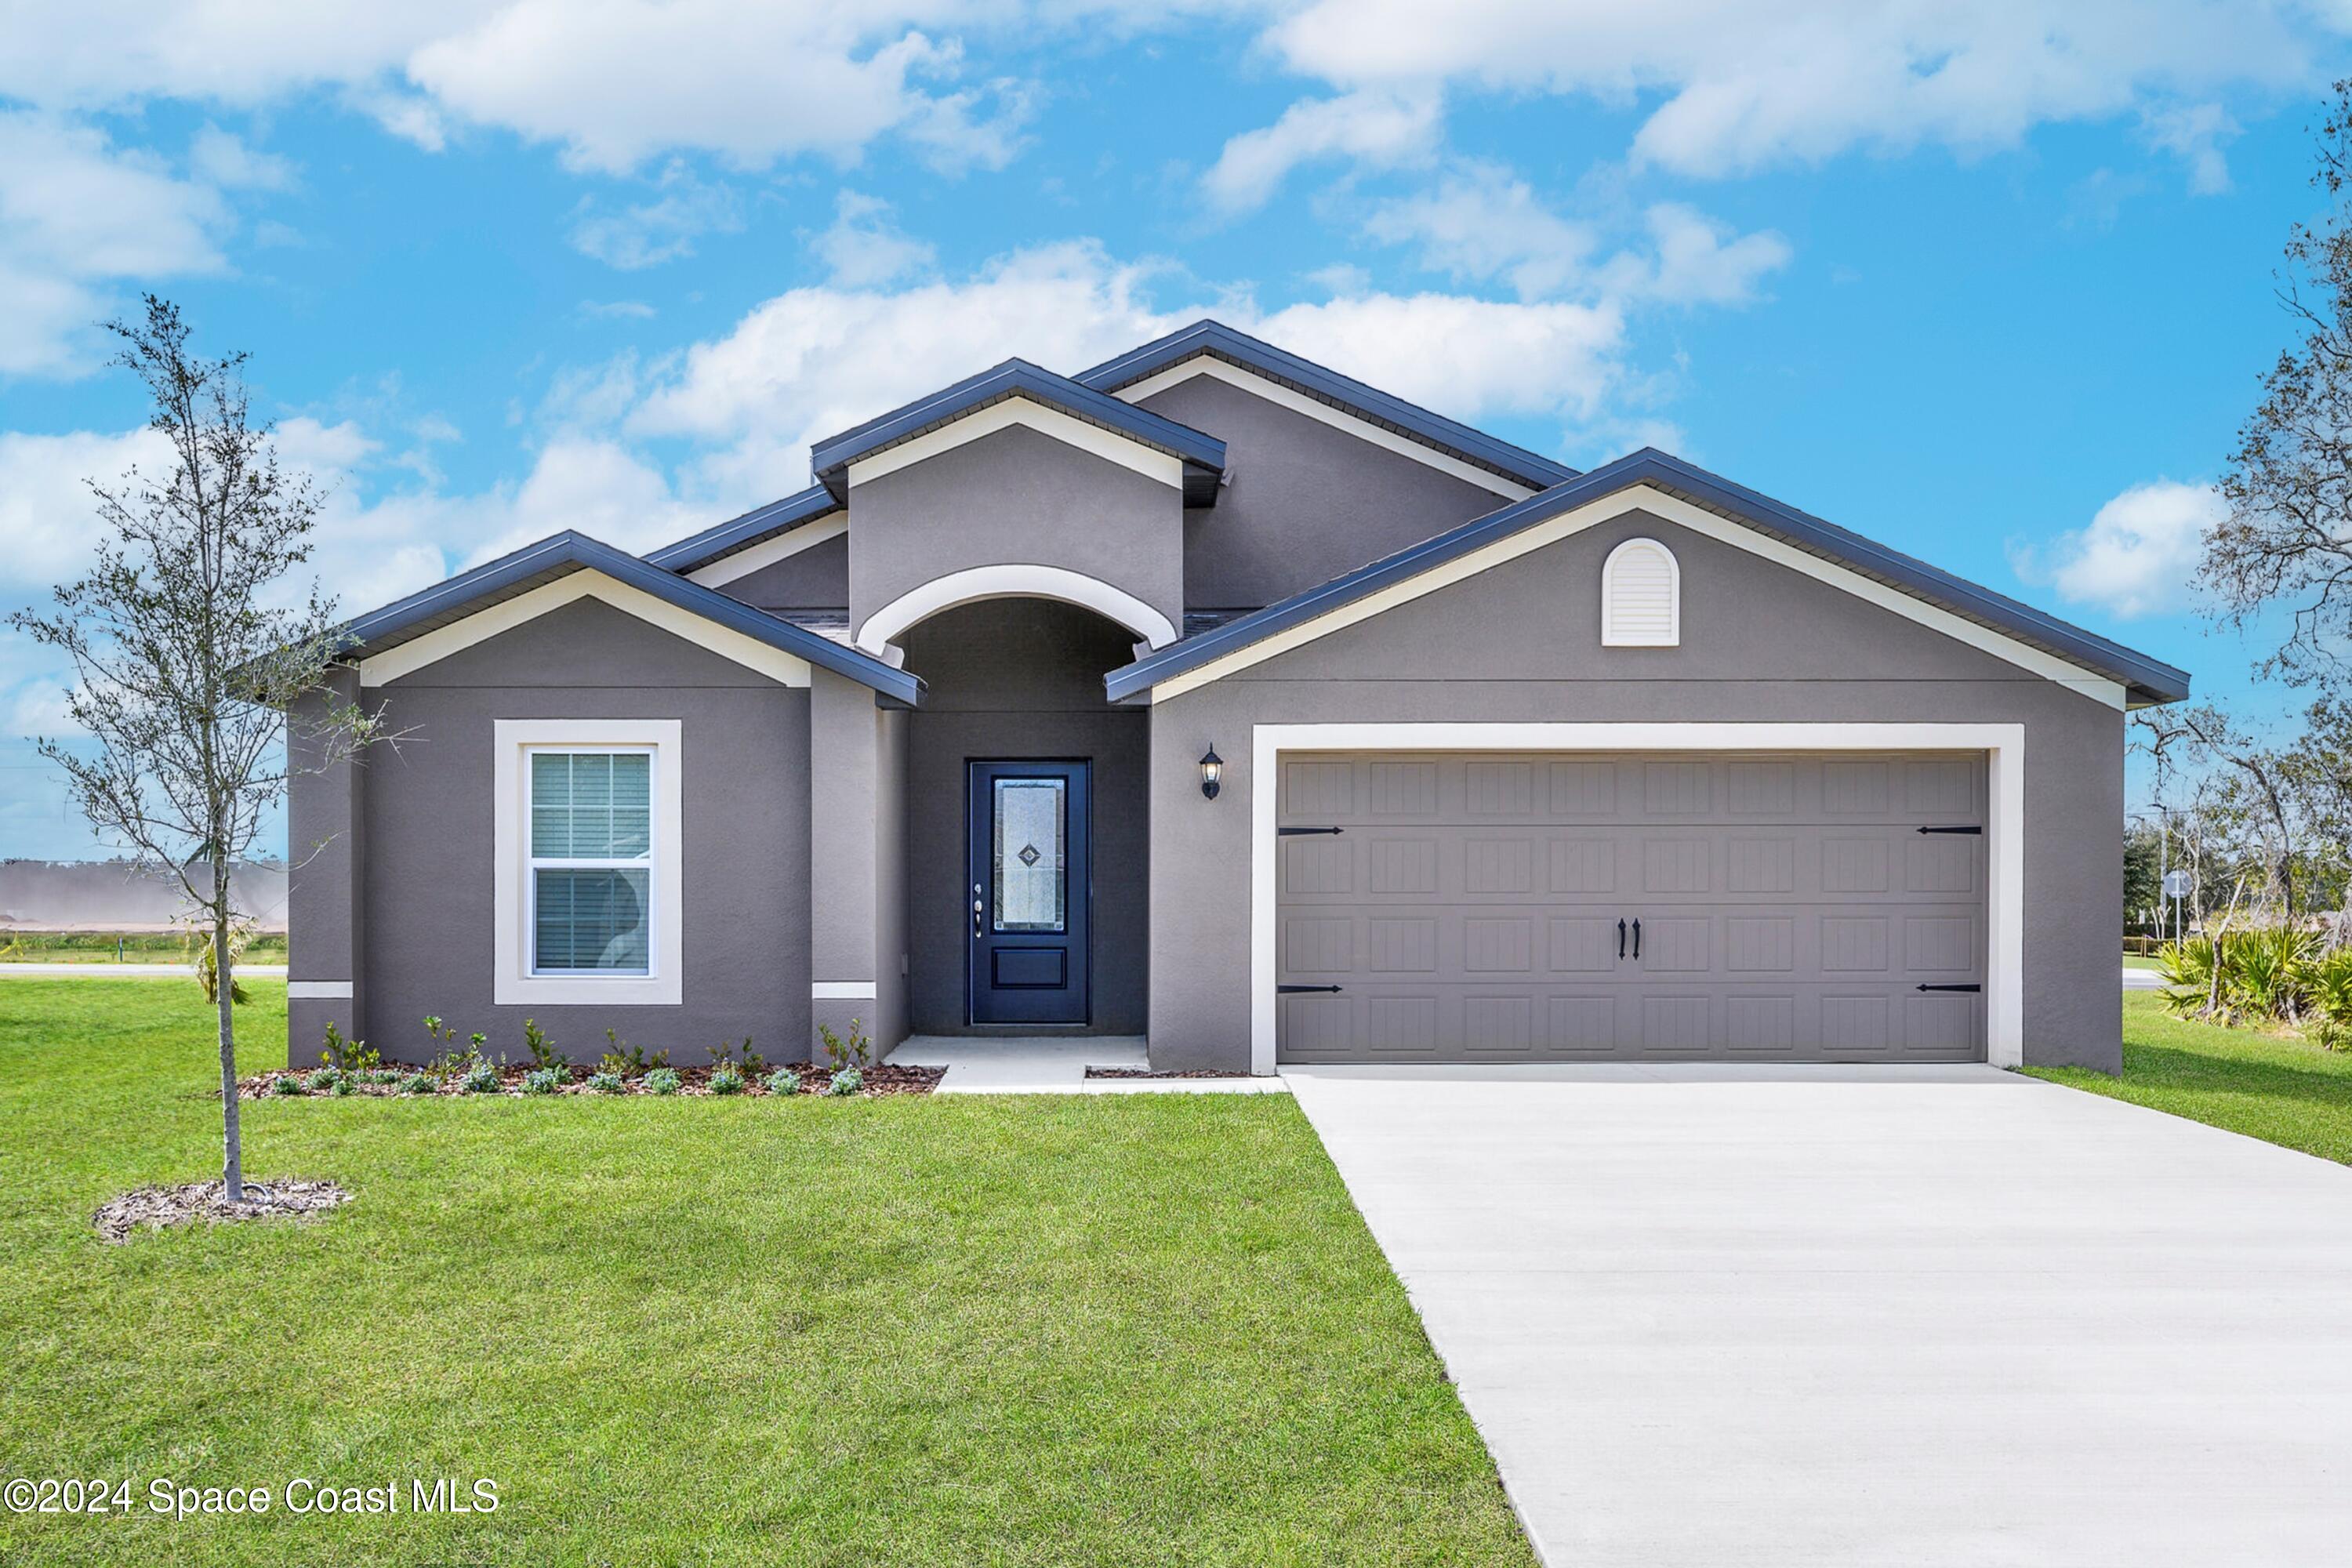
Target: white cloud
{"type": "Point", "coordinates": [1380, 128]}
{"type": "Point", "coordinates": [616, 310]}
{"type": "Point", "coordinates": [1479, 223]}
{"type": "Point", "coordinates": [1748, 83]}
{"type": "Point", "coordinates": [2139, 555]}
{"type": "Point", "coordinates": [1463, 357]}
{"type": "Point", "coordinates": [46, 512]}
{"type": "Point", "coordinates": [40, 711]}
{"type": "Point", "coordinates": [2194, 133]}
{"type": "Point", "coordinates": [864, 247]}
{"type": "Point", "coordinates": [1699, 262]}
{"type": "Point", "coordinates": [647, 234]}
{"type": "Point", "coordinates": [222, 159]}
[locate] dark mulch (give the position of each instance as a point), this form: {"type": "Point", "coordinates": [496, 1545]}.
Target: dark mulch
{"type": "Point", "coordinates": [154, 1209]}
{"type": "Point", "coordinates": [1147, 1072]}
{"type": "Point", "coordinates": [885, 1079]}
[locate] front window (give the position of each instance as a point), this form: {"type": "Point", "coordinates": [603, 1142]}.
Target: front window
{"type": "Point", "coordinates": [592, 873]}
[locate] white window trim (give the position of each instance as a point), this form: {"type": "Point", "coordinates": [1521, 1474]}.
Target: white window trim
{"type": "Point", "coordinates": [880, 630]}
{"type": "Point", "coordinates": [1071, 431]}
{"type": "Point", "coordinates": [512, 983]}
{"type": "Point", "coordinates": [1610, 635]}
{"type": "Point", "coordinates": [768, 552]}
{"type": "Point", "coordinates": [2003, 745]}
{"type": "Point", "coordinates": [1315, 409]}
{"type": "Point", "coordinates": [785, 668]}
{"type": "Point", "coordinates": [1673, 508]}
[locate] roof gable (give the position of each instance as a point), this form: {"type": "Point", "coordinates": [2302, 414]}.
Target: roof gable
{"type": "Point", "coordinates": [540, 569]}
{"type": "Point", "coordinates": [2027, 637]}
{"type": "Point", "coordinates": [1202, 456]}
{"type": "Point", "coordinates": [757, 526]}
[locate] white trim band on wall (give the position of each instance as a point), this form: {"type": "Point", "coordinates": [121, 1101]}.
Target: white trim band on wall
{"type": "Point", "coordinates": [319, 990]}
{"type": "Point", "coordinates": [2003, 745]}
{"type": "Point", "coordinates": [842, 991]}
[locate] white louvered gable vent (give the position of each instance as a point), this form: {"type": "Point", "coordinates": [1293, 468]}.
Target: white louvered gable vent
{"type": "Point", "coordinates": [1640, 596]}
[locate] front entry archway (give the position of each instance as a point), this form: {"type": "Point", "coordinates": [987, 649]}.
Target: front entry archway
{"type": "Point", "coordinates": [880, 632]}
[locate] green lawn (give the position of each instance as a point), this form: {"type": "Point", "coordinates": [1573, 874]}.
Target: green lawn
{"type": "Point", "coordinates": [923, 1331]}
{"type": "Point", "coordinates": [2134, 961]}
{"type": "Point", "coordinates": [129, 947]}
{"type": "Point", "coordinates": [2274, 1087]}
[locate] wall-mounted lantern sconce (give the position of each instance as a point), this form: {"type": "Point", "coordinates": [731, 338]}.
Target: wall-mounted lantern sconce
{"type": "Point", "coordinates": [1212, 772]}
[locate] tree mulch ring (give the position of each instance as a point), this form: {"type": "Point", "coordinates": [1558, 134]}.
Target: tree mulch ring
{"type": "Point", "coordinates": [1147, 1072]}
{"type": "Point", "coordinates": [154, 1209]}
{"type": "Point", "coordinates": [875, 1080]}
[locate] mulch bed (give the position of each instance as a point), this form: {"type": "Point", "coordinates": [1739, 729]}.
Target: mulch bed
{"type": "Point", "coordinates": [881, 1079]}
{"type": "Point", "coordinates": [1147, 1072]}
{"type": "Point", "coordinates": [154, 1209]}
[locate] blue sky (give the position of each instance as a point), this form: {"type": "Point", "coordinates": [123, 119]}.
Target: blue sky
{"type": "Point", "coordinates": [1989, 283]}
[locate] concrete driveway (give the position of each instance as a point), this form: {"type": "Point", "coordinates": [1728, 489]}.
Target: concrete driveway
{"type": "Point", "coordinates": [1870, 1316]}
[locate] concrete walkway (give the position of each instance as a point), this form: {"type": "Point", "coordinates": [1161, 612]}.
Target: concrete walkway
{"type": "Point", "coordinates": [1867, 1316]}
{"type": "Point", "coordinates": [1055, 1064]}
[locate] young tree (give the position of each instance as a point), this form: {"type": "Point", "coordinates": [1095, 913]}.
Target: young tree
{"type": "Point", "coordinates": [2288, 538]}
{"type": "Point", "coordinates": [189, 642]}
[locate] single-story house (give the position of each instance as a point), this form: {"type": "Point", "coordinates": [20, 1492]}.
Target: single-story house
{"type": "Point", "coordinates": [1213, 695]}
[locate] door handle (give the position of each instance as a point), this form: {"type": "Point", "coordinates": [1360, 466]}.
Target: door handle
{"type": "Point", "coordinates": [1637, 938]}
{"type": "Point", "coordinates": [975, 909]}
{"type": "Point", "coordinates": [1621, 939]}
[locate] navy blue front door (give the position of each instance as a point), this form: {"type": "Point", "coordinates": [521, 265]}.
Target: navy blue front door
{"type": "Point", "coordinates": [1029, 892]}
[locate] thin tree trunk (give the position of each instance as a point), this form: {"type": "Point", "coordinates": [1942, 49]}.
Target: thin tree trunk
{"type": "Point", "coordinates": [2213, 996]}
{"type": "Point", "coordinates": [224, 1000]}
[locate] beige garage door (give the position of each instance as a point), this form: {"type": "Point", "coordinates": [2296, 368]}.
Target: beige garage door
{"type": "Point", "coordinates": [1561, 907]}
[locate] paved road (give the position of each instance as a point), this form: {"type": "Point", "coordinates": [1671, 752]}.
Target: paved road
{"type": "Point", "coordinates": [1868, 1316]}
{"type": "Point", "coordinates": [2143, 980]}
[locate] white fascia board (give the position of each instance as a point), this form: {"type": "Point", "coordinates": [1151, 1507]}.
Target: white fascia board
{"type": "Point", "coordinates": [1315, 408]}
{"type": "Point", "coordinates": [1673, 508]}
{"type": "Point", "coordinates": [768, 552]}
{"type": "Point", "coordinates": [2003, 745]}
{"type": "Point", "coordinates": [511, 982]}
{"type": "Point", "coordinates": [785, 668]}
{"type": "Point", "coordinates": [1150, 461]}
{"type": "Point", "coordinates": [878, 633]}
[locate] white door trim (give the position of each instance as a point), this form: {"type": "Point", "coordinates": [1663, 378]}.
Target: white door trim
{"type": "Point", "coordinates": [919, 603]}
{"type": "Point", "coordinates": [2003, 744]}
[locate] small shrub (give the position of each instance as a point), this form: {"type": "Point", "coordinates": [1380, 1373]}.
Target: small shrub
{"type": "Point", "coordinates": [848, 1081]}
{"type": "Point", "coordinates": [286, 1083]}
{"type": "Point", "coordinates": [380, 1075]}
{"type": "Point", "coordinates": [480, 1077]}
{"type": "Point", "coordinates": [628, 1060]}
{"type": "Point", "coordinates": [446, 1060]}
{"type": "Point", "coordinates": [345, 1084]}
{"type": "Point", "coordinates": [418, 1083]}
{"type": "Point", "coordinates": [606, 1083]}
{"type": "Point", "coordinates": [541, 1080]}
{"type": "Point", "coordinates": [726, 1080]}
{"type": "Point", "coordinates": [2330, 980]}
{"type": "Point", "coordinates": [322, 1080]}
{"type": "Point", "coordinates": [855, 1052]}
{"type": "Point", "coordinates": [543, 1054]}
{"type": "Point", "coordinates": [783, 1080]}
{"type": "Point", "coordinates": [661, 1080]}
{"type": "Point", "coordinates": [351, 1055]}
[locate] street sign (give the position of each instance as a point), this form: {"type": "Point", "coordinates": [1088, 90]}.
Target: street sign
{"type": "Point", "coordinates": [2176, 884]}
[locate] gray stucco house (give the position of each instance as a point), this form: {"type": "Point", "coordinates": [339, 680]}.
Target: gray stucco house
{"type": "Point", "coordinates": [1513, 762]}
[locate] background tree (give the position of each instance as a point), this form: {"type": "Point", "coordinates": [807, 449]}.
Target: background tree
{"type": "Point", "coordinates": [2287, 538]}
{"type": "Point", "coordinates": [188, 642]}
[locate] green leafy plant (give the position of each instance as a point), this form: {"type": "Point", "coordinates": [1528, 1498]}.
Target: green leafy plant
{"type": "Point", "coordinates": [628, 1060]}
{"type": "Point", "coordinates": [2330, 982]}
{"type": "Point", "coordinates": [606, 1083]}
{"type": "Point", "coordinates": [286, 1083]}
{"type": "Point", "coordinates": [848, 1081]}
{"type": "Point", "coordinates": [345, 1084]}
{"type": "Point", "coordinates": [855, 1052]}
{"type": "Point", "coordinates": [662, 1080]}
{"type": "Point", "coordinates": [418, 1083]}
{"type": "Point", "coordinates": [206, 958]}
{"type": "Point", "coordinates": [446, 1060]}
{"type": "Point", "coordinates": [479, 1078]}
{"type": "Point", "coordinates": [727, 1079]}
{"type": "Point", "coordinates": [543, 1054]}
{"type": "Point", "coordinates": [380, 1075]}
{"type": "Point", "coordinates": [2266, 969]}
{"type": "Point", "coordinates": [783, 1080]}
{"type": "Point", "coordinates": [322, 1080]}
{"type": "Point", "coordinates": [543, 1080]}
{"type": "Point", "coordinates": [351, 1055]}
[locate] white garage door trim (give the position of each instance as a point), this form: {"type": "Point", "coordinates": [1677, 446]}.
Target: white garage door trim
{"type": "Point", "coordinates": [2003, 745]}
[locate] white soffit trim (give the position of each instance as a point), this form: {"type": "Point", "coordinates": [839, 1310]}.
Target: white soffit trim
{"type": "Point", "coordinates": [1068, 429]}
{"type": "Point", "coordinates": [768, 552]}
{"type": "Point", "coordinates": [511, 982]}
{"type": "Point", "coordinates": [2003, 745]}
{"type": "Point", "coordinates": [1010, 581]}
{"type": "Point", "coordinates": [842, 991]}
{"type": "Point", "coordinates": [319, 990]}
{"type": "Point", "coordinates": [378, 669]}
{"type": "Point", "coordinates": [1315, 408]}
{"type": "Point", "coordinates": [1658, 503]}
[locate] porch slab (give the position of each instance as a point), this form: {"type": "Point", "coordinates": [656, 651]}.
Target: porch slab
{"type": "Point", "coordinates": [1055, 1064]}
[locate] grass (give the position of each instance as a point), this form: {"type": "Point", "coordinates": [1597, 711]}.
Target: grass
{"type": "Point", "coordinates": [131, 947]}
{"type": "Point", "coordinates": [1146, 1330]}
{"type": "Point", "coordinates": [2134, 961]}
{"type": "Point", "coordinates": [2279, 1087]}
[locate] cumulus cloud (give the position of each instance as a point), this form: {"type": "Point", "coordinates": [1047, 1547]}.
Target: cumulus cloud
{"type": "Point", "coordinates": [2138, 556]}
{"type": "Point", "coordinates": [1380, 128]}
{"type": "Point", "coordinates": [864, 247]}
{"type": "Point", "coordinates": [646, 234]}
{"type": "Point", "coordinates": [225, 160]}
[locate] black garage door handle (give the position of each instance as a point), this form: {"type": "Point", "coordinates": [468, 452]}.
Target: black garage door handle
{"type": "Point", "coordinates": [1287, 989]}
{"type": "Point", "coordinates": [1951, 987]}
{"type": "Point", "coordinates": [1621, 939]}
{"type": "Point", "coordinates": [1637, 938]}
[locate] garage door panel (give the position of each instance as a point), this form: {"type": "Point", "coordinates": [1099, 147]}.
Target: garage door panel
{"type": "Point", "coordinates": [1790, 907]}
